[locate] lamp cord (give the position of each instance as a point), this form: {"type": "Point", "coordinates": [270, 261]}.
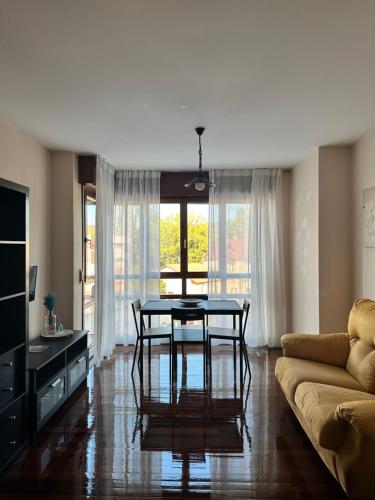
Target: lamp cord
{"type": "Point", "coordinates": [200, 155]}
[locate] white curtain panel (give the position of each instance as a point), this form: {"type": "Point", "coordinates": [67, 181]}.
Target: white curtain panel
{"type": "Point", "coordinates": [105, 305]}
{"type": "Point", "coordinates": [136, 246]}
{"type": "Point", "coordinates": [246, 258]}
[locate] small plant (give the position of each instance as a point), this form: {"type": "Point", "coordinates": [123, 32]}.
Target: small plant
{"type": "Point", "coordinates": [50, 320]}
{"type": "Point", "coordinates": [50, 301]}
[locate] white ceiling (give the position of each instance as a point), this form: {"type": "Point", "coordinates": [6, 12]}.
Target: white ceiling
{"type": "Point", "coordinates": [130, 79]}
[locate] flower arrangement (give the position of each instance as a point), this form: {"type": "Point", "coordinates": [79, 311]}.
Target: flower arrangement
{"type": "Point", "coordinates": [50, 301]}
{"type": "Point", "coordinates": [50, 320]}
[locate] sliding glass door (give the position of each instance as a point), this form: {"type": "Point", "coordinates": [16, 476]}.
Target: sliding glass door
{"type": "Point", "coordinates": [89, 248]}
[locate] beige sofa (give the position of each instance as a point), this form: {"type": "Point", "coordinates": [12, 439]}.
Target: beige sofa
{"type": "Point", "coordinates": [329, 382]}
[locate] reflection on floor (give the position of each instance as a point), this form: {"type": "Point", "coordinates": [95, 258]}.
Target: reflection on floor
{"type": "Point", "coordinates": [114, 440]}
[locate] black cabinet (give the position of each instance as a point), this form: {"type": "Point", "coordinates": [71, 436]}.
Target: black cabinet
{"type": "Point", "coordinates": [13, 319]}
{"type": "Point", "coordinates": [12, 375]}
{"type": "Point", "coordinates": [12, 429]}
{"type": "Point", "coordinates": [54, 374]}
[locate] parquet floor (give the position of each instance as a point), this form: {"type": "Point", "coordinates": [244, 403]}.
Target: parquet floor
{"type": "Point", "coordinates": [112, 440]}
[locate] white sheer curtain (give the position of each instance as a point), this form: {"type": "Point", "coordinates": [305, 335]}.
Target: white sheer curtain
{"type": "Point", "coordinates": [105, 305]}
{"type": "Point", "coordinates": [246, 249]}
{"type": "Point", "coordinates": [136, 245]}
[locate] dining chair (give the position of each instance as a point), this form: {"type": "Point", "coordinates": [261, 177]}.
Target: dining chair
{"type": "Point", "coordinates": [188, 334]}
{"type": "Point", "coordinates": [149, 334]}
{"type": "Point", "coordinates": [220, 333]}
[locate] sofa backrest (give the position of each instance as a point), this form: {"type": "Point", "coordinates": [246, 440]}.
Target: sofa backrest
{"type": "Point", "coordinates": [361, 329]}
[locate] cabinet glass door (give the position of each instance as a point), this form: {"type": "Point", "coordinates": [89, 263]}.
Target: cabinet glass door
{"type": "Point", "coordinates": [51, 396]}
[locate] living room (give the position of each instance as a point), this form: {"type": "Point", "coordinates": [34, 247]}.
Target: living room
{"type": "Point", "coordinates": [108, 111]}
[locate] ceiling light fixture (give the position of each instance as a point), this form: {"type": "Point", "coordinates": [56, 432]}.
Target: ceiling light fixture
{"type": "Point", "coordinates": [200, 181]}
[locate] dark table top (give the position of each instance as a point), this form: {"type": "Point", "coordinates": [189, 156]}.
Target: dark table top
{"type": "Point", "coordinates": [54, 347]}
{"type": "Point", "coordinates": [164, 306]}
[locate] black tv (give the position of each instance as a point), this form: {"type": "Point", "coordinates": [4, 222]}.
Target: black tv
{"type": "Point", "coordinates": [32, 282]}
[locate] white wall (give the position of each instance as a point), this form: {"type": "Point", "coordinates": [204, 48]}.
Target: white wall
{"type": "Point", "coordinates": [25, 161]}
{"type": "Point", "coordinates": [286, 190]}
{"type": "Point", "coordinates": [363, 178]}
{"type": "Point", "coordinates": [304, 243]}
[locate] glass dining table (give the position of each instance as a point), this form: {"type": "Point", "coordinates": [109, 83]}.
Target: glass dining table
{"type": "Point", "coordinates": [217, 307]}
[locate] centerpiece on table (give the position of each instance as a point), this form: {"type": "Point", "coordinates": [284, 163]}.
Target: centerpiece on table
{"type": "Point", "coordinates": [50, 318]}
{"type": "Point", "coordinates": [53, 328]}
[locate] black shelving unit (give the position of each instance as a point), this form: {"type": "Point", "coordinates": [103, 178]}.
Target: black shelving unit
{"type": "Point", "coordinates": [14, 309]}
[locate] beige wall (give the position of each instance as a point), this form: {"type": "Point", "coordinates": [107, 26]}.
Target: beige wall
{"type": "Point", "coordinates": [62, 237]}
{"type": "Point", "coordinates": [25, 161]}
{"type": "Point", "coordinates": [55, 221]}
{"type": "Point", "coordinates": [66, 232]}
{"type": "Point", "coordinates": [363, 178]}
{"type": "Point", "coordinates": [321, 241]}
{"type": "Point", "coordinates": [335, 236]}
{"type": "Point", "coordinates": [304, 242]}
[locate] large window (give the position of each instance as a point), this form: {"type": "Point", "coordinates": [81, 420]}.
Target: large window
{"type": "Point", "coordinates": [183, 249]}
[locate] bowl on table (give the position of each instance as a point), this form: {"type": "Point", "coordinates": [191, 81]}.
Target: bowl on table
{"type": "Point", "coordinates": [190, 302]}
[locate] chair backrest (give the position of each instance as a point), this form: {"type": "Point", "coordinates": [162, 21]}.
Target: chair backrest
{"type": "Point", "coordinates": [187, 313]}
{"type": "Point", "coordinates": [361, 330]}
{"type": "Point", "coordinates": [136, 307]}
{"type": "Point", "coordinates": [246, 308]}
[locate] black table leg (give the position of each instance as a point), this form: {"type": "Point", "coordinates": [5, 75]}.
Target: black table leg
{"type": "Point", "coordinates": [241, 354]}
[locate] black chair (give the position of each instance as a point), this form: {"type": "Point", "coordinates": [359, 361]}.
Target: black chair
{"type": "Point", "coordinates": [188, 334]}
{"type": "Point", "coordinates": [149, 334]}
{"type": "Point", "coordinates": [217, 332]}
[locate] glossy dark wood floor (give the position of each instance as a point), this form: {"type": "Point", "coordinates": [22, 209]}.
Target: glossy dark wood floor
{"type": "Point", "coordinates": [113, 441]}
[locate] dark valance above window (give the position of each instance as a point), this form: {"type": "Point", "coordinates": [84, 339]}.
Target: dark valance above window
{"type": "Point", "coordinates": [87, 169]}
{"type": "Point", "coordinates": [172, 186]}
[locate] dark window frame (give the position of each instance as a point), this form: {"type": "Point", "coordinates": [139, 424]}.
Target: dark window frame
{"type": "Point", "coordinates": [184, 273]}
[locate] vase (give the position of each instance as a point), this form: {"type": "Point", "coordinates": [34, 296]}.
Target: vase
{"type": "Point", "coordinates": [50, 323]}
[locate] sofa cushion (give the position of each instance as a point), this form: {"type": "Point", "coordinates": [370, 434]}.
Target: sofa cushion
{"type": "Point", "coordinates": [361, 329]}
{"type": "Point", "coordinates": [318, 406]}
{"type": "Point", "coordinates": [330, 348]}
{"type": "Point", "coordinates": [291, 372]}
{"type": "Point", "coordinates": [361, 364]}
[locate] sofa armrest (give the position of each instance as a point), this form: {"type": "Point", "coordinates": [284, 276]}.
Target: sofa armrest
{"type": "Point", "coordinates": [330, 348]}
{"type": "Point", "coordinates": [355, 458]}
{"type": "Point", "coordinates": [360, 415]}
